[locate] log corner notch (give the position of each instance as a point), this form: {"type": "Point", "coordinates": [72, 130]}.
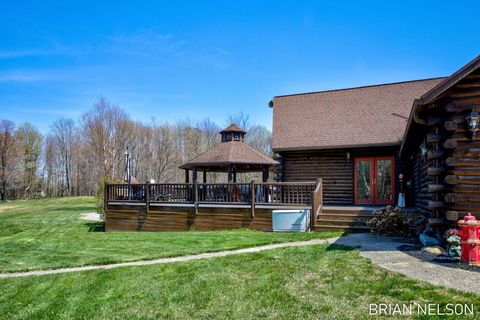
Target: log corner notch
{"type": "Point", "coordinates": [450, 179]}
{"type": "Point", "coordinates": [451, 215]}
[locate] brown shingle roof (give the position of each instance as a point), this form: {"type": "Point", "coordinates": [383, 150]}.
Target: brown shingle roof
{"type": "Point", "coordinates": [232, 128]}
{"type": "Point", "coordinates": [363, 116]}
{"type": "Point", "coordinates": [231, 152]}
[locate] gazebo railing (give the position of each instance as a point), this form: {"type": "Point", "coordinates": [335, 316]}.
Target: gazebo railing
{"type": "Point", "coordinates": [260, 193]}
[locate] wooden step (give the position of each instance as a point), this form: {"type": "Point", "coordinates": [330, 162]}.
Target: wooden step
{"type": "Point", "coordinates": [346, 216]}
{"type": "Point", "coordinates": [348, 209]}
{"type": "Point", "coordinates": [340, 222]}
{"type": "Point", "coordinates": [352, 229]}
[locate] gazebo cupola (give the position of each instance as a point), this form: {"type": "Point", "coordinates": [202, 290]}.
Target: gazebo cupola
{"type": "Point", "coordinates": [232, 155]}
{"type": "Point", "coordinates": [233, 133]}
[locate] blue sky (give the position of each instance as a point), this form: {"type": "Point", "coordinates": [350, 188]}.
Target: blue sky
{"type": "Point", "coordinates": [196, 59]}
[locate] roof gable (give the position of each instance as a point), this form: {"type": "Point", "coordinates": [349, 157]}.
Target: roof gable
{"type": "Point", "coordinates": [437, 91]}
{"type": "Point", "coordinates": [433, 95]}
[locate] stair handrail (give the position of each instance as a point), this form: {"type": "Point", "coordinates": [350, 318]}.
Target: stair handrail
{"type": "Point", "coordinates": [317, 201]}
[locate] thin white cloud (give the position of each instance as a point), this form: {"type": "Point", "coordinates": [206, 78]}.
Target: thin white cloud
{"type": "Point", "coordinates": [55, 49]}
{"type": "Point", "coordinates": [56, 112]}
{"type": "Point", "coordinates": [221, 51]}
{"type": "Point", "coordinates": [20, 76]}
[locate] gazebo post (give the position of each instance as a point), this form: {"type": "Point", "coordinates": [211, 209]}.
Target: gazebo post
{"type": "Point", "coordinates": [230, 178]}
{"type": "Point", "coordinates": [265, 174]}
{"type": "Point", "coordinates": [194, 175]}
{"type": "Point", "coordinates": [187, 176]}
{"type": "Point", "coordinates": [204, 176]}
{"type": "Point", "coordinates": [265, 179]}
{"type": "Point", "coordinates": [235, 175]}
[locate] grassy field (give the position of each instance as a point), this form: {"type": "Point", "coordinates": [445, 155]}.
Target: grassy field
{"type": "Point", "coordinates": [44, 234]}
{"type": "Point", "coordinates": [313, 282]}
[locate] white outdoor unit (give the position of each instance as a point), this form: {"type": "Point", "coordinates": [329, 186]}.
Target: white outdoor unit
{"type": "Point", "coordinates": [291, 220]}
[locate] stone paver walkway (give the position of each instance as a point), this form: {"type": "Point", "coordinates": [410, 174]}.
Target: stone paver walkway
{"type": "Point", "coordinates": [168, 260]}
{"type": "Point", "coordinates": [383, 251]}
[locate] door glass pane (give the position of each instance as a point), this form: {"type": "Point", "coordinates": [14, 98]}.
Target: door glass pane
{"type": "Point", "coordinates": [363, 179]}
{"type": "Point", "coordinates": [384, 180]}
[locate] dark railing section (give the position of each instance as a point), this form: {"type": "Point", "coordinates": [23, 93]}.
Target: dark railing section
{"type": "Point", "coordinates": [170, 192]}
{"type": "Point", "coordinates": [261, 193]}
{"type": "Point", "coordinates": [224, 192]}
{"type": "Point", "coordinates": [126, 192]}
{"type": "Point", "coordinates": [295, 193]}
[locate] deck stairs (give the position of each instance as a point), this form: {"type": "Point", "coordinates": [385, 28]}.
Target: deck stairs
{"type": "Point", "coordinates": [344, 218]}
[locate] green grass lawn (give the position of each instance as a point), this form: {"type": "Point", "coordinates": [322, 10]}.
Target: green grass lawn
{"type": "Point", "coordinates": [44, 234]}
{"type": "Point", "coordinates": [312, 282]}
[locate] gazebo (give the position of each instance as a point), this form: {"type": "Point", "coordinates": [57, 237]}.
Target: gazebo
{"type": "Point", "coordinates": [232, 155]}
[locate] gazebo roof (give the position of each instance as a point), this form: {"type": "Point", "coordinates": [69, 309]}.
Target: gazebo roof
{"type": "Point", "coordinates": [232, 128]}
{"type": "Point", "coordinates": [231, 152]}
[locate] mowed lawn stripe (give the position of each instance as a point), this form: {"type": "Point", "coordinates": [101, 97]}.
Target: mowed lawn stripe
{"type": "Point", "coordinates": [312, 282]}
{"type": "Point", "coordinates": [49, 234]}
{"type": "Point", "coordinates": [168, 260]}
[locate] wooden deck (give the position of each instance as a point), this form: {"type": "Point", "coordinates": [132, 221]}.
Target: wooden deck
{"type": "Point", "coordinates": [205, 206]}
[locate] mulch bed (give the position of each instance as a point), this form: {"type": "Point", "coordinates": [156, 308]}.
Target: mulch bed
{"type": "Point", "coordinates": [443, 260]}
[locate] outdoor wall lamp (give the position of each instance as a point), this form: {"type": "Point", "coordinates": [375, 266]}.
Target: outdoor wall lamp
{"type": "Point", "coordinates": [472, 122]}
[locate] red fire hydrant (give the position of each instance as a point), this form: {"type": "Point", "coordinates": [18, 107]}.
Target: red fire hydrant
{"type": "Point", "coordinates": [470, 235]}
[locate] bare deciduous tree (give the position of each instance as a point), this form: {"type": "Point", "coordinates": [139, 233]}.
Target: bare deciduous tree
{"type": "Point", "coordinates": [7, 144]}
{"type": "Point", "coordinates": [31, 145]}
{"type": "Point", "coordinates": [75, 156]}
{"type": "Point", "coordinates": [107, 130]}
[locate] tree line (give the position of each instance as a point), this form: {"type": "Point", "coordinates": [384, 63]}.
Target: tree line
{"type": "Point", "coordinates": [76, 155]}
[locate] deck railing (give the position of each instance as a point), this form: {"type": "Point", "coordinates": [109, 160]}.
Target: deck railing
{"type": "Point", "coordinates": [268, 195]}
{"type": "Point", "coordinates": [261, 193]}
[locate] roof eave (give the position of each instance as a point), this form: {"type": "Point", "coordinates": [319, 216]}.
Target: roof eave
{"type": "Point", "coordinates": [352, 146]}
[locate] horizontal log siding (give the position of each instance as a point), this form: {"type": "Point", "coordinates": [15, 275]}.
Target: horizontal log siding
{"type": "Point", "coordinates": [460, 157]}
{"type": "Point", "coordinates": [463, 162]}
{"type": "Point", "coordinates": [419, 182]}
{"type": "Point", "coordinates": [129, 218]}
{"type": "Point", "coordinates": [333, 168]}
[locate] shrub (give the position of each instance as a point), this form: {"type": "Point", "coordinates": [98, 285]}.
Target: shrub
{"type": "Point", "coordinates": [394, 221]}
{"type": "Point", "coordinates": [99, 197]}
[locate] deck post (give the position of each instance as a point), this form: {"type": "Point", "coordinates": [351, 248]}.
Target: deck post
{"type": "Point", "coordinates": [252, 196]}
{"type": "Point", "coordinates": [312, 213]}
{"type": "Point", "coordinates": [105, 199]}
{"type": "Point", "coordinates": [195, 196]}
{"type": "Point", "coordinates": [187, 176]}
{"type": "Point", "coordinates": [147, 196]}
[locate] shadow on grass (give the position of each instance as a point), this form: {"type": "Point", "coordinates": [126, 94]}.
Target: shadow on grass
{"type": "Point", "coordinates": [339, 247]}
{"type": "Point", "coordinates": [76, 208]}
{"type": "Point", "coordinates": [97, 226]}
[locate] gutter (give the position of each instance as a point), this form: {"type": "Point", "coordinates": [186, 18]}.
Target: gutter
{"type": "Point", "coordinates": [418, 105]}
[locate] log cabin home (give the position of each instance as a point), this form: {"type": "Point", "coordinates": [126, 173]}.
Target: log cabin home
{"type": "Point", "coordinates": [359, 141]}
{"type": "Point", "coordinates": [340, 154]}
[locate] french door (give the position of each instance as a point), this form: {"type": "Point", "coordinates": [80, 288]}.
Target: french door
{"type": "Point", "coordinates": [374, 180]}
